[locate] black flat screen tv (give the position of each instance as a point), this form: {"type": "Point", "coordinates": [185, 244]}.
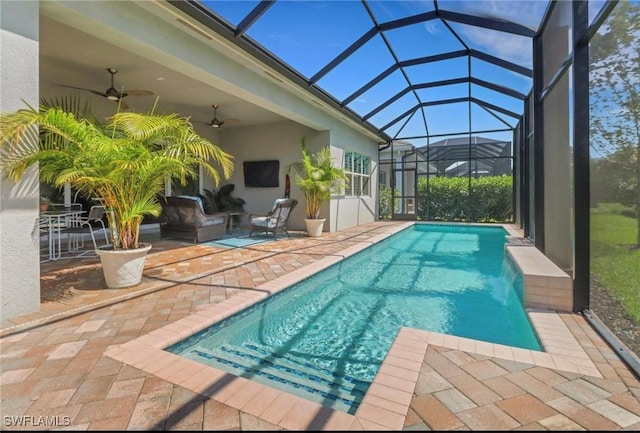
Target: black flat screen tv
{"type": "Point", "coordinates": [261, 174]}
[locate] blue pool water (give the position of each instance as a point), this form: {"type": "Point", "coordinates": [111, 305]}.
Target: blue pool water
{"type": "Point", "coordinates": [325, 337]}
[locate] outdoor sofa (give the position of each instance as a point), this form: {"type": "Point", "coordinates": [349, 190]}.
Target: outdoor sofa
{"type": "Point", "coordinates": [184, 218]}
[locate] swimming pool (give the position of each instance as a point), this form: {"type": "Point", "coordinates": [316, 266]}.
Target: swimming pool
{"type": "Point", "coordinates": [325, 338]}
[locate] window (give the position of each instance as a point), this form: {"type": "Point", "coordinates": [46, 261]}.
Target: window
{"type": "Point", "coordinates": [357, 168]}
{"type": "Point", "coordinates": [383, 177]}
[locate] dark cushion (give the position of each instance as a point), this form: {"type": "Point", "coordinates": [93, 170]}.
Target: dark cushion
{"type": "Point", "coordinates": [171, 214]}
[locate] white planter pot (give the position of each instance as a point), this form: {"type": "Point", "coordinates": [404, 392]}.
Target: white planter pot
{"type": "Point", "coordinates": [314, 226]}
{"type": "Point", "coordinates": [123, 268]}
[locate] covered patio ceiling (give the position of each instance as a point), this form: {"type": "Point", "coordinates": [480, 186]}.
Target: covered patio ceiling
{"type": "Point", "coordinates": [69, 56]}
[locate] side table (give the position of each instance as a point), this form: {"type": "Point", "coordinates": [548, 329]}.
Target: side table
{"type": "Point", "coordinates": [231, 217]}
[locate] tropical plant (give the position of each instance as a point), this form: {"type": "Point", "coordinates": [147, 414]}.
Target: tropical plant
{"type": "Point", "coordinates": [222, 200]}
{"type": "Point", "coordinates": [124, 160]}
{"type": "Point", "coordinates": [318, 178]}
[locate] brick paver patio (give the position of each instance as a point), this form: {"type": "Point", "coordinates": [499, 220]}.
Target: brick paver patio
{"type": "Point", "coordinates": [55, 373]}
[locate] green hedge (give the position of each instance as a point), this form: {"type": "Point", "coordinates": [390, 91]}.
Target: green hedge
{"type": "Point", "coordinates": [385, 208]}
{"type": "Point", "coordinates": [449, 199]}
{"type": "Point", "coordinates": [485, 199]}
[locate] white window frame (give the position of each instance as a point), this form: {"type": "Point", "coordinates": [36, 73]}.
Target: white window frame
{"type": "Point", "coordinates": [362, 172]}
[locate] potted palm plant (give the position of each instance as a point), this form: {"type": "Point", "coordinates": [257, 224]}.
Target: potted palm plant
{"type": "Point", "coordinates": [124, 161]}
{"type": "Point", "coordinates": [318, 177]}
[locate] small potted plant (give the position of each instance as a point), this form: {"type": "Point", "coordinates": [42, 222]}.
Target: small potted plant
{"type": "Point", "coordinates": [318, 177]}
{"type": "Point", "coordinates": [123, 161]}
{"type": "Point", "coordinates": [44, 203]}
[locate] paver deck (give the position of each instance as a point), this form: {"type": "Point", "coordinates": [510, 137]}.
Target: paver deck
{"type": "Point", "coordinates": [88, 359]}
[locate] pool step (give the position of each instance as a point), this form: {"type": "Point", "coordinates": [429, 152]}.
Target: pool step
{"type": "Point", "coordinates": [297, 363]}
{"type": "Point", "coordinates": [305, 371]}
{"type": "Point", "coordinates": [281, 374]}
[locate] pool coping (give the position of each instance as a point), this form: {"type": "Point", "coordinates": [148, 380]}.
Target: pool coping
{"type": "Point", "coordinates": [386, 402]}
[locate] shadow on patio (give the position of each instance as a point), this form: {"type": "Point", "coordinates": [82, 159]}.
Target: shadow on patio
{"type": "Point", "coordinates": [55, 362]}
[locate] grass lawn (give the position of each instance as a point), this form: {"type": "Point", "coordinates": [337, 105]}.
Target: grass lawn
{"type": "Point", "coordinates": [613, 260]}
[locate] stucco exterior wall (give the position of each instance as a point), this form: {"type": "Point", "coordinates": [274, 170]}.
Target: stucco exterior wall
{"type": "Point", "coordinates": [347, 212]}
{"type": "Point", "coordinates": [19, 244]}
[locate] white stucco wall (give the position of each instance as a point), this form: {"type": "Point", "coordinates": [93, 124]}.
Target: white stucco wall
{"type": "Point", "coordinates": [19, 245]}
{"type": "Point", "coordinates": [347, 212]}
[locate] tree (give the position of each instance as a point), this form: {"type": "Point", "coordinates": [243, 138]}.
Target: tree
{"type": "Point", "coordinates": [615, 101]}
{"type": "Point", "coordinates": [123, 161]}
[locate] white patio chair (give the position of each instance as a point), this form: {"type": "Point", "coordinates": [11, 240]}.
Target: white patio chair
{"type": "Point", "coordinates": [275, 221]}
{"type": "Point", "coordinates": [85, 225]}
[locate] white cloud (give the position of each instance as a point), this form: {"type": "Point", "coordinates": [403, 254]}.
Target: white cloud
{"type": "Point", "coordinates": [513, 48]}
{"type": "Point", "coordinates": [432, 27]}
{"type": "Point", "coordinates": [525, 12]}
{"type": "Point", "coordinates": [517, 49]}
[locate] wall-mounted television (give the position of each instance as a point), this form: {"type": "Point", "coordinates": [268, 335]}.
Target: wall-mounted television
{"type": "Point", "coordinates": [261, 174]}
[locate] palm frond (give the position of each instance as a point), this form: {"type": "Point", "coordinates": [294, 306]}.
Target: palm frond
{"type": "Point", "coordinates": [124, 160]}
{"type": "Point", "coordinates": [317, 177]}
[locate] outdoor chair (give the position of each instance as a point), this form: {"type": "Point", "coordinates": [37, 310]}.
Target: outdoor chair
{"type": "Point", "coordinates": [79, 226]}
{"type": "Point", "coordinates": [275, 221]}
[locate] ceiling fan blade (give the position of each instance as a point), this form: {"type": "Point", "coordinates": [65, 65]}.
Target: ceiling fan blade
{"type": "Point", "coordinates": [112, 93]}
{"type": "Point", "coordinates": [215, 122]}
{"type": "Point", "coordinates": [209, 123]}
{"type": "Point", "coordinates": [95, 92]}
{"type": "Point", "coordinates": [138, 93]}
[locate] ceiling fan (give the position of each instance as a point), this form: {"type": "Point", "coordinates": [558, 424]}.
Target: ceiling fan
{"type": "Point", "coordinates": [112, 93]}
{"type": "Point", "coordinates": [215, 122]}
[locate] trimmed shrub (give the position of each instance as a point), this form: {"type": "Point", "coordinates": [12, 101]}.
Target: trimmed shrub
{"type": "Point", "coordinates": [485, 199]}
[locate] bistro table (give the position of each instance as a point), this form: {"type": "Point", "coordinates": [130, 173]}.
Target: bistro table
{"type": "Point", "coordinates": [54, 222]}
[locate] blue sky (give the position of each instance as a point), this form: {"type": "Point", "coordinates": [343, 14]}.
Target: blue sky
{"type": "Point", "coordinates": [309, 34]}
